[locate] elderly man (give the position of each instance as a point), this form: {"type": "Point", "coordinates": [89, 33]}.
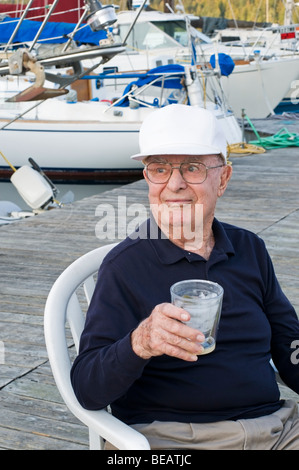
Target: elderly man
{"type": "Point", "coordinates": [137, 354]}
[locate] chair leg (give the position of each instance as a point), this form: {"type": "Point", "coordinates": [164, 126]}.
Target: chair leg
{"type": "Point", "coordinates": [95, 441]}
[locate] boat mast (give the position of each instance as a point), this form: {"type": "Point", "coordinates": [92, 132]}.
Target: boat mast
{"type": "Point", "coordinates": [288, 13]}
{"type": "Point", "coordinates": [168, 5]}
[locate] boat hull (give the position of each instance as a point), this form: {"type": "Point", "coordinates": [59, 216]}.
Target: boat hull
{"type": "Point", "coordinates": [74, 151]}
{"type": "Point", "coordinates": [97, 148]}
{"type": "Point", "coordinates": [260, 86]}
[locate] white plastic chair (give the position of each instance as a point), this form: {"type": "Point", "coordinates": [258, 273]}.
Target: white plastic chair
{"type": "Point", "coordinates": [64, 305]}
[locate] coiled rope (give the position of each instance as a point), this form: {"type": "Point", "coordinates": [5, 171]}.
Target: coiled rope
{"type": "Point", "coordinates": [282, 139]}
{"type": "Point", "coordinates": [243, 149]}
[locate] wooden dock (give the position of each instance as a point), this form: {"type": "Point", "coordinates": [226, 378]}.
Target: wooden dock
{"type": "Point", "coordinates": [263, 196]}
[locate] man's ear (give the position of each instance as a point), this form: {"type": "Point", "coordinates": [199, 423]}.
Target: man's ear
{"type": "Point", "coordinates": [224, 179]}
{"type": "Point", "coordinates": [144, 175]}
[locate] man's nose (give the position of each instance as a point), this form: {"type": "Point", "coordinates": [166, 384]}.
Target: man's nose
{"type": "Point", "coordinates": [176, 180]}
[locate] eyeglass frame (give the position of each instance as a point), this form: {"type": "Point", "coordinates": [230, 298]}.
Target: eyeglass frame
{"type": "Point", "coordinates": [180, 170]}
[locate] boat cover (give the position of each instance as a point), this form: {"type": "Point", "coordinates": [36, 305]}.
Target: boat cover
{"type": "Point", "coordinates": [57, 31]}
{"type": "Point", "coordinates": [226, 63]}
{"type": "Point", "coordinates": [170, 76]}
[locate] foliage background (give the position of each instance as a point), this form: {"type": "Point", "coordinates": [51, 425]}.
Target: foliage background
{"type": "Point", "coordinates": [248, 10]}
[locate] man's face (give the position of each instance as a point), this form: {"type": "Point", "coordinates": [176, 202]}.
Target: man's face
{"type": "Point", "coordinates": [176, 193]}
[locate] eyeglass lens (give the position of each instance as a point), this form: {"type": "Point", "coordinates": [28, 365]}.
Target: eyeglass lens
{"type": "Point", "coordinates": [191, 172]}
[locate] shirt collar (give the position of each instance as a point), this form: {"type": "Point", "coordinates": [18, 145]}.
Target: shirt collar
{"type": "Point", "coordinates": [169, 253]}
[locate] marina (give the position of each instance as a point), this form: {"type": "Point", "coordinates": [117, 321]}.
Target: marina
{"type": "Point", "coordinates": [94, 92]}
{"type": "Point", "coordinates": [263, 196]}
{"type": "Point", "coordinates": [87, 137]}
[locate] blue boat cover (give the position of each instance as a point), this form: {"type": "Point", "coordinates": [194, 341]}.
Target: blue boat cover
{"type": "Point", "coordinates": [226, 63]}
{"type": "Point", "coordinates": [170, 76]}
{"type": "Point", "coordinates": [58, 31]}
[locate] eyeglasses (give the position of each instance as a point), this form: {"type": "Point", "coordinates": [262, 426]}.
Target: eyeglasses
{"type": "Point", "coordinates": [193, 172]}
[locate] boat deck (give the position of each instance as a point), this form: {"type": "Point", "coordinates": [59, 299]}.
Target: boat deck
{"type": "Point", "coordinates": [263, 196]}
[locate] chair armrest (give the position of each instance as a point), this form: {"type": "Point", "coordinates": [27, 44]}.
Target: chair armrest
{"type": "Point", "coordinates": [113, 430]}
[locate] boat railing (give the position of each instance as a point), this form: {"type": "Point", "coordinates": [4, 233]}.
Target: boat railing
{"type": "Point", "coordinates": [35, 38]}
{"type": "Point", "coordinates": [15, 14]}
{"type": "Point", "coordinates": [98, 18]}
{"type": "Point", "coordinates": [175, 82]}
{"type": "Point", "coordinates": [269, 42]}
{"type": "Point", "coordinates": [132, 94]}
{"type": "Point", "coordinates": [19, 22]}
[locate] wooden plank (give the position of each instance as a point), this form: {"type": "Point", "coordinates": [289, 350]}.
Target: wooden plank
{"type": "Point", "coordinates": [33, 416]}
{"type": "Point", "coordinates": [15, 439]}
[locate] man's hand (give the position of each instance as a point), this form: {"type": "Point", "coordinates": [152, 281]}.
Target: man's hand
{"type": "Point", "coordinates": [163, 333]}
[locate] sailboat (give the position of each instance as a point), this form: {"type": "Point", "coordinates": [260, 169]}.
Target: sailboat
{"type": "Point", "coordinates": [272, 42]}
{"type": "Point", "coordinates": [257, 84]}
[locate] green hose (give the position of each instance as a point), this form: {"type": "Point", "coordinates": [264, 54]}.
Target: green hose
{"type": "Point", "coordinates": [282, 138]}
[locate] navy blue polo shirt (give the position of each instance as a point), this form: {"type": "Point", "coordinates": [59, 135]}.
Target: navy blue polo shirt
{"type": "Point", "coordinates": [234, 381]}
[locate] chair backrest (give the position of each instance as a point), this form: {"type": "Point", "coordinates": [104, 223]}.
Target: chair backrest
{"type": "Point", "coordinates": [64, 305]}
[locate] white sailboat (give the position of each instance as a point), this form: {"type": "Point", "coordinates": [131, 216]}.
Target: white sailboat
{"type": "Point", "coordinates": [270, 43]}
{"type": "Point", "coordinates": [94, 140]}
{"type": "Point", "coordinates": [257, 84]}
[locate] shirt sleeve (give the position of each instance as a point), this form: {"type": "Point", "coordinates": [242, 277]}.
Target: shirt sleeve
{"type": "Point", "coordinates": [106, 365]}
{"type": "Point", "coordinates": [285, 328]}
